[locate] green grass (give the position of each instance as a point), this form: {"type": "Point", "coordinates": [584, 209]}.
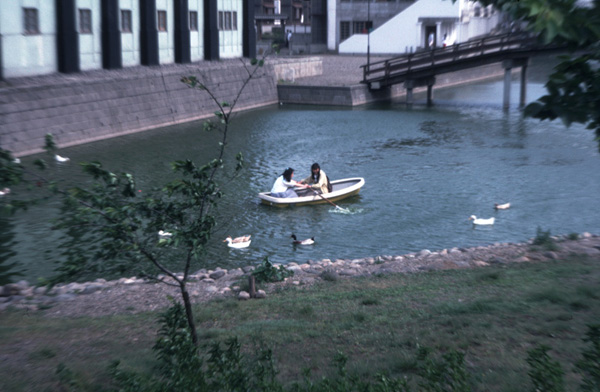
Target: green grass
{"type": "Point", "coordinates": [495, 315]}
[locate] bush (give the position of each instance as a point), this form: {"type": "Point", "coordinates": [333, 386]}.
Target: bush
{"type": "Point", "coordinates": [268, 273]}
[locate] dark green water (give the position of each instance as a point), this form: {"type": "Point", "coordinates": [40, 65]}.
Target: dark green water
{"type": "Point", "coordinates": [426, 170]}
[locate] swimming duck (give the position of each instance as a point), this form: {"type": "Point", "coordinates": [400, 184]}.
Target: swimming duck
{"type": "Point", "coordinates": [308, 241]}
{"type": "Point", "coordinates": [4, 191]}
{"type": "Point", "coordinates": [238, 242]}
{"type": "Point", "coordinates": [58, 158]}
{"type": "Point", "coordinates": [164, 234]}
{"type": "Point", "coordinates": [504, 206]}
{"type": "Point", "coordinates": [481, 221]}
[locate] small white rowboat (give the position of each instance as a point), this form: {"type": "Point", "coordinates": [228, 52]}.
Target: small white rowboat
{"type": "Point", "coordinates": [341, 189]}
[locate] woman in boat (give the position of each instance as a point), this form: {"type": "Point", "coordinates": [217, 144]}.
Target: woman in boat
{"type": "Point", "coordinates": [318, 180]}
{"type": "Point", "coordinates": [284, 185]}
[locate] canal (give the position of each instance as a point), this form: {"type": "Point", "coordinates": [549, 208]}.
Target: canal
{"type": "Point", "coordinates": [426, 171]}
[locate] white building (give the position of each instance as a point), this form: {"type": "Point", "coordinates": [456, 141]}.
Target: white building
{"type": "Point", "coordinates": [423, 24]}
{"type": "Point", "coordinates": [42, 36]}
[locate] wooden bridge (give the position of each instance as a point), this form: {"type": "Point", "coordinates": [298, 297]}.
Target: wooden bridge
{"type": "Point", "coordinates": [419, 69]}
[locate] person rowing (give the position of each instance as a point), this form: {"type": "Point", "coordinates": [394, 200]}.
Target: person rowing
{"type": "Point", "coordinates": [284, 185]}
{"type": "Point", "coordinates": [318, 180]}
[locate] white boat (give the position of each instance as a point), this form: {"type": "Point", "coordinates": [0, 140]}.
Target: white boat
{"type": "Point", "coordinates": [341, 189]}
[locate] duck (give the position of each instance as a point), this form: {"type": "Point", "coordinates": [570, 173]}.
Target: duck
{"type": "Point", "coordinates": [164, 234]}
{"type": "Point", "coordinates": [481, 221]}
{"type": "Point", "coordinates": [238, 242]}
{"type": "Point", "coordinates": [308, 241]}
{"type": "Point", "coordinates": [4, 191]}
{"type": "Point", "coordinates": [58, 158]}
{"type": "Point", "coordinates": [504, 206]}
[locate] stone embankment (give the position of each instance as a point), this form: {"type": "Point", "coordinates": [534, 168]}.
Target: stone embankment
{"type": "Point", "coordinates": [132, 295]}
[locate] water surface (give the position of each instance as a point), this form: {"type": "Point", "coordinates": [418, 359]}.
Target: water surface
{"type": "Point", "coordinates": [426, 171]}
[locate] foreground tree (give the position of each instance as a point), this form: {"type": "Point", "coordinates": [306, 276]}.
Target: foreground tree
{"type": "Point", "coordinates": [111, 229]}
{"type": "Point", "coordinates": [574, 87]}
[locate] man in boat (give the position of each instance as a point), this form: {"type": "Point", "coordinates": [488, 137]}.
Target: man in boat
{"type": "Point", "coordinates": [318, 180]}
{"type": "Point", "coordinates": [284, 185]}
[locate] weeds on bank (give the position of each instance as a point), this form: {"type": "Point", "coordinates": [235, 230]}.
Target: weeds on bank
{"type": "Point", "coordinates": [544, 239]}
{"type": "Point", "coordinates": [266, 272]}
{"type": "Point", "coordinates": [224, 366]}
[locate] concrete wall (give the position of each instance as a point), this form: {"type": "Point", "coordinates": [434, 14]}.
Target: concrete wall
{"type": "Point", "coordinates": [27, 54]}
{"type": "Point", "coordinates": [230, 41]}
{"type": "Point", "coordinates": [90, 45]}
{"type": "Point", "coordinates": [359, 94]}
{"type": "Point", "coordinates": [166, 40]}
{"type": "Point", "coordinates": [100, 104]}
{"type": "Point", "coordinates": [197, 37]}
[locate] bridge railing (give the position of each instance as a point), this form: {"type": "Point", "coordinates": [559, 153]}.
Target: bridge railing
{"type": "Point", "coordinates": [428, 58]}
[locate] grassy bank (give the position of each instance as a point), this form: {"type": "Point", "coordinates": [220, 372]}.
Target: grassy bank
{"type": "Point", "coordinates": [494, 315]}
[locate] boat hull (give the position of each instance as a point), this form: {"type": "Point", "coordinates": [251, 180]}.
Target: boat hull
{"type": "Point", "coordinates": [342, 189]}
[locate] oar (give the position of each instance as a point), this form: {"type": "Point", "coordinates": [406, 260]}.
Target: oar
{"type": "Point", "coordinates": [329, 201]}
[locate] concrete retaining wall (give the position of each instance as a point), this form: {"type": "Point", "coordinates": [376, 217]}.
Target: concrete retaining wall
{"type": "Point", "coordinates": [359, 94]}
{"type": "Point", "coordinates": [100, 104]}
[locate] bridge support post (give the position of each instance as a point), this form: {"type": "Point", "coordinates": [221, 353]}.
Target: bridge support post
{"type": "Point", "coordinates": [523, 97]}
{"type": "Point", "coordinates": [430, 82]}
{"type": "Point", "coordinates": [409, 86]}
{"type": "Point", "coordinates": [507, 65]}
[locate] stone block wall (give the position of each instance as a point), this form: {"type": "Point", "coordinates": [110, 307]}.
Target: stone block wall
{"type": "Point", "coordinates": [359, 94]}
{"type": "Point", "coordinates": [100, 104]}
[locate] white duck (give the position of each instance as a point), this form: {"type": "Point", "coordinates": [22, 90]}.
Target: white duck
{"type": "Point", "coordinates": [58, 158]}
{"type": "Point", "coordinates": [481, 221]}
{"type": "Point", "coordinates": [4, 191]}
{"type": "Point", "coordinates": [308, 241]}
{"type": "Point", "coordinates": [238, 242]}
{"type": "Point", "coordinates": [504, 206]}
{"type": "Point", "coordinates": [164, 234]}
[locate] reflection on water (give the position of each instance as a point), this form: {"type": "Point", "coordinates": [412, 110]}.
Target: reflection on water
{"type": "Point", "coordinates": [426, 170]}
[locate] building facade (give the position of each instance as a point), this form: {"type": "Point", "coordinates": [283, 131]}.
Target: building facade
{"type": "Point", "coordinates": [43, 36]}
{"type": "Point", "coordinates": [418, 25]}
{"type": "Point", "coordinates": [300, 26]}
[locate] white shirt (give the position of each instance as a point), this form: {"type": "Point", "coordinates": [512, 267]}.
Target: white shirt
{"type": "Point", "coordinates": [281, 185]}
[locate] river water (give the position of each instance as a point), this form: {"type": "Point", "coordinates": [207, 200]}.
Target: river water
{"type": "Point", "coordinates": [426, 171]}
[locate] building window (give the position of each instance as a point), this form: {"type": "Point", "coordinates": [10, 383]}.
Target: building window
{"type": "Point", "coordinates": [85, 21]}
{"type": "Point", "coordinates": [31, 21]}
{"type": "Point", "coordinates": [162, 20]}
{"type": "Point", "coordinates": [227, 20]}
{"type": "Point", "coordinates": [344, 30]}
{"type": "Point", "coordinates": [193, 21]}
{"type": "Point", "coordinates": [126, 21]}
{"type": "Point", "coordinates": [359, 27]}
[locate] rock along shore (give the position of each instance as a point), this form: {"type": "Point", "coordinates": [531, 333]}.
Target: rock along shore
{"type": "Point", "coordinates": [133, 295]}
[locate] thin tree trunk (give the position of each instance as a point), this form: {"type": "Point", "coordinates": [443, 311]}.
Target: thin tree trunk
{"type": "Point", "coordinates": [189, 313]}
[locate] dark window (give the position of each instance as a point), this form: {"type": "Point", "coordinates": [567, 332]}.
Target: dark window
{"type": "Point", "coordinates": [227, 20]}
{"type": "Point", "coordinates": [126, 21]}
{"type": "Point", "coordinates": [162, 20]}
{"type": "Point", "coordinates": [193, 21]}
{"type": "Point", "coordinates": [31, 21]}
{"type": "Point", "coordinates": [344, 30]}
{"type": "Point", "coordinates": [85, 21]}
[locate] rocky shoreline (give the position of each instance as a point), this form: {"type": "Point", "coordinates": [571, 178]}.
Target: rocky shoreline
{"type": "Point", "coordinates": [134, 295]}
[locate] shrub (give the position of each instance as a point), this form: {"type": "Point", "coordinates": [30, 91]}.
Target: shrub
{"type": "Point", "coordinates": [268, 273]}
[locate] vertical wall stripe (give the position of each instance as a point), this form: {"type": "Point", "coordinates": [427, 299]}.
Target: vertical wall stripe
{"type": "Point", "coordinates": [182, 32]}
{"type": "Point", "coordinates": [67, 37]}
{"type": "Point", "coordinates": [112, 56]}
{"type": "Point", "coordinates": [249, 32]}
{"type": "Point", "coordinates": [211, 30]}
{"type": "Point", "coordinates": [148, 33]}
